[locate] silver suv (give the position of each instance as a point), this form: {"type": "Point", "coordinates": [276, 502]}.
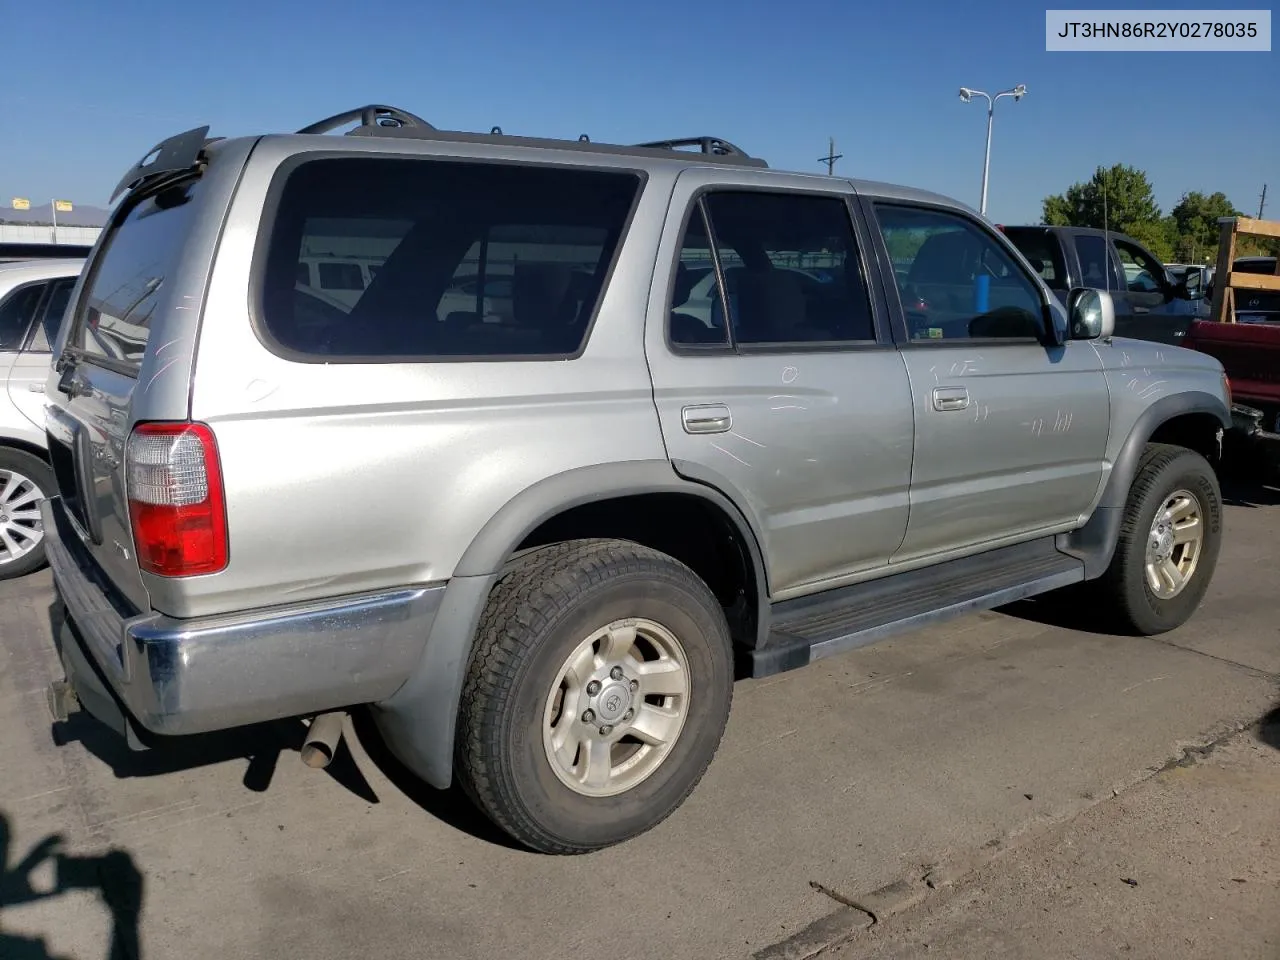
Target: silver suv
{"type": "Point", "coordinates": [33, 297]}
{"type": "Point", "coordinates": [685, 415]}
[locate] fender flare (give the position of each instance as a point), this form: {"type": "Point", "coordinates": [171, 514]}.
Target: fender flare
{"type": "Point", "coordinates": [418, 721]}
{"type": "Point", "coordinates": [1095, 542]}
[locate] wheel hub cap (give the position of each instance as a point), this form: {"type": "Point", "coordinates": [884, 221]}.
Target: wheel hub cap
{"type": "Point", "coordinates": [1173, 544]}
{"type": "Point", "coordinates": [613, 702]}
{"type": "Point", "coordinates": [20, 528]}
{"type": "Point", "coordinates": [617, 707]}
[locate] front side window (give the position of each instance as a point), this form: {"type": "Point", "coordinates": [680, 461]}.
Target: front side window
{"type": "Point", "coordinates": [1141, 271]}
{"type": "Point", "coordinates": [465, 259]}
{"type": "Point", "coordinates": [955, 281]}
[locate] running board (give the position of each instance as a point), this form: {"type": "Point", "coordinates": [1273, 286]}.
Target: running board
{"type": "Point", "coordinates": [810, 628]}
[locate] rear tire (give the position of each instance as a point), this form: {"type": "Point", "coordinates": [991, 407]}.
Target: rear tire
{"type": "Point", "coordinates": [25, 480]}
{"type": "Point", "coordinates": [1168, 546]}
{"type": "Point", "coordinates": [597, 695]}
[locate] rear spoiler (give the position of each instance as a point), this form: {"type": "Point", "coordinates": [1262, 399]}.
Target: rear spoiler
{"type": "Point", "coordinates": [179, 153]}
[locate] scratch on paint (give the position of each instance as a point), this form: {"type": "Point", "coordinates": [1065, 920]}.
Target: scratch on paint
{"type": "Point", "coordinates": [165, 346]}
{"type": "Point", "coordinates": [1062, 422]}
{"type": "Point", "coordinates": [156, 376]}
{"type": "Point", "coordinates": [789, 374]}
{"type": "Point", "coordinates": [1037, 426]}
{"type": "Point", "coordinates": [1125, 359]}
{"type": "Point", "coordinates": [728, 454]}
{"type": "Point", "coordinates": [734, 433]}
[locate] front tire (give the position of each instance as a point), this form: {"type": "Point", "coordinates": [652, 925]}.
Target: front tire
{"type": "Point", "coordinates": [25, 480]}
{"type": "Point", "coordinates": [597, 695]}
{"type": "Point", "coordinates": [1169, 543]}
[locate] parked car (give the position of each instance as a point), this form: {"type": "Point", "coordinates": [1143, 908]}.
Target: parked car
{"type": "Point", "coordinates": [1150, 303]}
{"type": "Point", "coordinates": [538, 550]}
{"type": "Point", "coordinates": [1249, 351]}
{"type": "Point", "coordinates": [33, 297]}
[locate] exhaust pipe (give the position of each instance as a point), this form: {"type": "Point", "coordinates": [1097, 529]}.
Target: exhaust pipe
{"type": "Point", "coordinates": [322, 740]}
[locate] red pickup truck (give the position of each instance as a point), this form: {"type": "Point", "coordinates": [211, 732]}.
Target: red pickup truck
{"type": "Point", "coordinates": [1249, 351]}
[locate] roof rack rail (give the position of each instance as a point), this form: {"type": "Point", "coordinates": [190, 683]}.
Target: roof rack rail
{"type": "Point", "coordinates": [378, 120]}
{"type": "Point", "coordinates": [372, 115]}
{"type": "Point", "coordinates": [714, 146]}
{"type": "Point", "coordinates": [178, 153]}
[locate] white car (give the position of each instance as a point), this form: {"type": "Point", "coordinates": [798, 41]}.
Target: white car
{"type": "Point", "coordinates": [33, 297]}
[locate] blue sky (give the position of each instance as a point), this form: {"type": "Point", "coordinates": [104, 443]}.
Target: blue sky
{"type": "Point", "coordinates": [90, 86]}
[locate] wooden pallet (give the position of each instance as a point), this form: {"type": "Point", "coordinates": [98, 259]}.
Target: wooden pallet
{"type": "Point", "coordinates": [1225, 282]}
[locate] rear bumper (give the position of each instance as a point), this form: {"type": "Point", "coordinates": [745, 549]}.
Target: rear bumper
{"type": "Point", "coordinates": [195, 676]}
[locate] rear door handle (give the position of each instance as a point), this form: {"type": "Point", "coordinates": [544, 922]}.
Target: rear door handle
{"type": "Point", "coordinates": [950, 398]}
{"type": "Point", "coordinates": [706, 418]}
{"type": "Point", "coordinates": [1137, 309]}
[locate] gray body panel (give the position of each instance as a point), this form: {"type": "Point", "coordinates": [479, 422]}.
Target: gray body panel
{"type": "Point", "coordinates": [835, 467]}
{"type": "Point", "coordinates": [1019, 456]}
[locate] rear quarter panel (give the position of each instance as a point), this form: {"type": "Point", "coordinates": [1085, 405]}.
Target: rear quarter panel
{"type": "Point", "coordinates": [348, 477]}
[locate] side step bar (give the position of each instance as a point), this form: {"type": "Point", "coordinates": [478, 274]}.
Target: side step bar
{"type": "Point", "coordinates": [810, 628]}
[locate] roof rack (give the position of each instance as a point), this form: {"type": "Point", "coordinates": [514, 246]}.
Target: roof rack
{"type": "Point", "coordinates": [374, 115]}
{"type": "Point", "coordinates": [711, 146]}
{"type": "Point", "coordinates": [377, 120]}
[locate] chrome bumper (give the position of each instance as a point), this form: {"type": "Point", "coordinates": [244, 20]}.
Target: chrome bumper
{"type": "Point", "coordinates": [195, 676]}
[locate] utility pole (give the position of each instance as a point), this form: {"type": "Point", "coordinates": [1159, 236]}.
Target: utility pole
{"type": "Point", "coordinates": [1262, 203]}
{"type": "Point", "coordinates": [831, 157]}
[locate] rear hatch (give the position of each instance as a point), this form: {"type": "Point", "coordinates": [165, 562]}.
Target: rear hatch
{"type": "Point", "coordinates": [123, 350]}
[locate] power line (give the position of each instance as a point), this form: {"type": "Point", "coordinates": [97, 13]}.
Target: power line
{"type": "Point", "coordinates": [831, 157]}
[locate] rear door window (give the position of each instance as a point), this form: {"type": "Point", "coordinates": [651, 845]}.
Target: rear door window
{"type": "Point", "coordinates": [464, 259]}
{"type": "Point", "coordinates": [127, 280]}
{"type": "Point", "coordinates": [1097, 269]}
{"type": "Point", "coordinates": [45, 332]}
{"type": "Point", "coordinates": [16, 313]}
{"type": "Point", "coordinates": [1043, 252]}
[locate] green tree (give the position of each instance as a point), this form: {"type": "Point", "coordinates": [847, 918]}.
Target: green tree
{"type": "Point", "coordinates": [1195, 220]}
{"type": "Point", "coordinates": [1119, 197]}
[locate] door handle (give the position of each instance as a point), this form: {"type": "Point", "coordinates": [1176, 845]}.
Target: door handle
{"type": "Point", "coordinates": [1138, 309]}
{"type": "Point", "coordinates": [706, 418]}
{"type": "Point", "coordinates": [36, 387]}
{"type": "Point", "coordinates": [950, 398]}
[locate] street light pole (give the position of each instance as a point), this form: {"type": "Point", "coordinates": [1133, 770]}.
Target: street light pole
{"type": "Point", "coordinates": [966, 95]}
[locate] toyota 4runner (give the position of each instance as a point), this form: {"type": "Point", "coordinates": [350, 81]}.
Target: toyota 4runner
{"type": "Point", "coordinates": [529, 446]}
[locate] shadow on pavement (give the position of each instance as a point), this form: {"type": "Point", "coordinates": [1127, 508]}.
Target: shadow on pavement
{"type": "Point", "coordinates": [263, 745]}
{"type": "Point", "coordinates": [451, 806]}
{"type": "Point", "coordinates": [113, 874]}
{"type": "Point", "coordinates": [1269, 729]}
{"type": "Point", "coordinates": [1240, 494]}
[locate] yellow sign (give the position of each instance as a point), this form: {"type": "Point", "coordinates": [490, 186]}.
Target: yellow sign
{"type": "Point", "coordinates": [62, 206]}
{"type": "Point", "coordinates": [21, 203]}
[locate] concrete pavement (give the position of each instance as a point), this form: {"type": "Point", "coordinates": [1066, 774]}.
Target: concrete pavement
{"type": "Point", "coordinates": [925, 753]}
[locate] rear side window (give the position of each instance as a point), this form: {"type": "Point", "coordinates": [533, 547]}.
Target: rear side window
{"type": "Point", "coordinates": [127, 281]}
{"type": "Point", "coordinates": [16, 313]}
{"type": "Point", "coordinates": [46, 332]}
{"type": "Point", "coordinates": [464, 259]}
{"type": "Point", "coordinates": [1097, 269]}
{"type": "Point", "coordinates": [1044, 254]}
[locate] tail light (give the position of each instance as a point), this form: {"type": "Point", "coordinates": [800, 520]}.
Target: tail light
{"type": "Point", "coordinates": [176, 503]}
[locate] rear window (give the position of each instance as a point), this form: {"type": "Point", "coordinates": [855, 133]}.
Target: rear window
{"type": "Point", "coordinates": [127, 280]}
{"type": "Point", "coordinates": [464, 259]}
{"type": "Point", "coordinates": [1044, 254]}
